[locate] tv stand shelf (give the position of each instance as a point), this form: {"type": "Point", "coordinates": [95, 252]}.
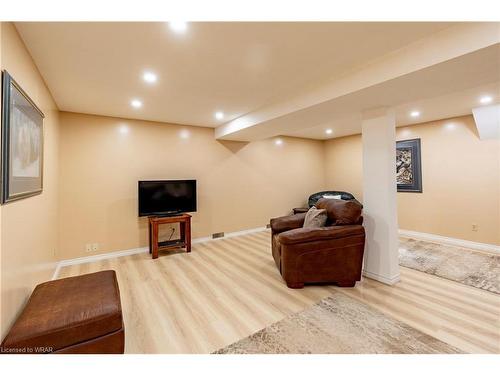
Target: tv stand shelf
{"type": "Point", "coordinates": [184, 221]}
{"type": "Point", "coordinates": [171, 243]}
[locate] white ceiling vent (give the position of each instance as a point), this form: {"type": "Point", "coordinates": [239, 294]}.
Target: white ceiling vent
{"type": "Point", "coordinates": [487, 121]}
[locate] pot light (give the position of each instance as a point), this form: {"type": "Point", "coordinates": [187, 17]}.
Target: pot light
{"type": "Point", "coordinates": [485, 99]}
{"type": "Point", "coordinates": [178, 26]}
{"type": "Point", "coordinates": [328, 131]}
{"type": "Point", "coordinates": [414, 113]}
{"type": "Point", "coordinates": [123, 129]}
{"type": "Point", "coordinates": [149, 77]}
{"type": "Point", "coordinates": [184, 134]}
{"type": "Point", "coordinates": [219, 115]}
{"type": "Point", "coordinates": [136, 103]}
{"type": "Point", "coordinates": [278, 142]}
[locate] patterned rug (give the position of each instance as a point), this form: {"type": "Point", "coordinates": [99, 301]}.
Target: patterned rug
{"type": "Point", "coordinates": [465, 266]}
{"type": "Point", "coordinates": [338, 324]}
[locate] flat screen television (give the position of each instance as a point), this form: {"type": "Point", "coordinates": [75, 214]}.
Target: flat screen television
{"type": "Point", "coordinates": [166, 197]}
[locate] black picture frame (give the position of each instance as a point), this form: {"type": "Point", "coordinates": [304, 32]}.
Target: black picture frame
{"type": "Point", "coordinates": [22, 143]}
{"type": "Point", "coordinates": [409, 164]}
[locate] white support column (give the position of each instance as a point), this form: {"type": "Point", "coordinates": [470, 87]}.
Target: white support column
{"type": "Point", "coordinates": [379, 196]}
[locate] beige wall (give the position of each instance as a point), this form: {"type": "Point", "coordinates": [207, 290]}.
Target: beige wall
{"type": "Point", "coordinates": [29, 226]}
{"type": "Point", "coordinates": [240, 185]}
{"type": "Point", "coordinates": [460, 173]}
{"type": "Point", "coordinates": [344, 165]}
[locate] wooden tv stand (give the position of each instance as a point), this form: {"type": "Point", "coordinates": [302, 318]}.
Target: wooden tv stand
{"type": "Point", "coordinates": [184, 221]}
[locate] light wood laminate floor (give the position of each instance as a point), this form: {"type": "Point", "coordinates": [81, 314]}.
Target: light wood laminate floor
{"type": "Point", "coordinates": [227, 289]}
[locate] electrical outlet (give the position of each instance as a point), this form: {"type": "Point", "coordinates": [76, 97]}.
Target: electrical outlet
{"type": "Point", "coordinates": [475, 227]}
{"type": "Point", "coordinates": [95, 246]}
{"type": "Point", "coordinates": [88, 248]}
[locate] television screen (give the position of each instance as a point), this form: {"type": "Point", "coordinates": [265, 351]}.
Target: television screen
{"type": "Point", "coordinates": [166, 197]}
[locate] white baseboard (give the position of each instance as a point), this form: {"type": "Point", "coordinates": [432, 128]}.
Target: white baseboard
{"type": "Point", "coordinates": [494, 249]}
{"type": "Point", "coordinates": [242, 232]}
{"type": "Point", "coordinates": [402, 232]}
{"type": "Point", "coordinates": [229, 235]}
{"type": "Point", "coordinates": [117, 254]}
{"type": "Point", "coordinates": [386, 280]}
{"type": "Point", "coordinates": [95, 258]}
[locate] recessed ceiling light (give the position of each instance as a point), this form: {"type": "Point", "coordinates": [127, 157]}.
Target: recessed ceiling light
{"type": "Point", "coordinates": [123, 129]}
{"type": "Point", "coordinates": [184, 134]}
{"type": "Point", "coordinates": [328, 131]}
{"type": "Point", "coordinates": [278, 142]}
{"type": "Point", "coordinates": [149, 77]}
{"type": "Point", "coordinates": [178, 26]}
{"type": "Point", "coordinates": [414, 113]}
{"type": "Point", "coordinates": [485, 99]}
{"type": "Point", "coordinates": [136, 103]}
{"type": "Point", "coordinates": [219, 115]}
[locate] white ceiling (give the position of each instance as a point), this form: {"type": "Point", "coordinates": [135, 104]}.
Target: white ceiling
{"type": "Point", "coordinates": [237, 68]}
{"type": "Point", "coordinates": [445, 90]}
{"type": "Point", "coordinates": [243, 69]}
{"type": "Point", "coordinates": [442, 76]}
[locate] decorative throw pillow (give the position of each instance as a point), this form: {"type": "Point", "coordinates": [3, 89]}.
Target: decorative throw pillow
{"type": "Point", "coordinates": [315, 218]}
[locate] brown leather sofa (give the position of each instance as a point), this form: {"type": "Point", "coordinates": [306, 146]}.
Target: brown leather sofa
{"type": "Point", "coordinates": [74, 315]}
{"type": "Point", "coordinates": [330, 254]}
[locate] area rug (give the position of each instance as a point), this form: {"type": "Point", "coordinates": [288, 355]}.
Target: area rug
{"type": "Point", "coordinates": [338, 324]}
{"type": "Point", "coordinates": [474, 268]}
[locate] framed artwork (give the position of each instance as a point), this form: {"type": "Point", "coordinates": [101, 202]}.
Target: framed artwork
{"type": "Point", "coordinates": [408, 166]}
{"type": "Point", "coordinates": [22, 143]}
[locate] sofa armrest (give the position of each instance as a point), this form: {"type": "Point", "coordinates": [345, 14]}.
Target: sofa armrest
{"type": "Point", "coordinates": [301, 235]}
{"type": "Point", "coordinates": [284, 223]}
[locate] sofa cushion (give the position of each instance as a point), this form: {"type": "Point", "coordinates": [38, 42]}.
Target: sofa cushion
{"type": "Point", "coordinates": [315, 218]}
{"type": "Point", "coordinates": [341, 212]}
{"type": "Point", "coordinates": [68, 311]}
